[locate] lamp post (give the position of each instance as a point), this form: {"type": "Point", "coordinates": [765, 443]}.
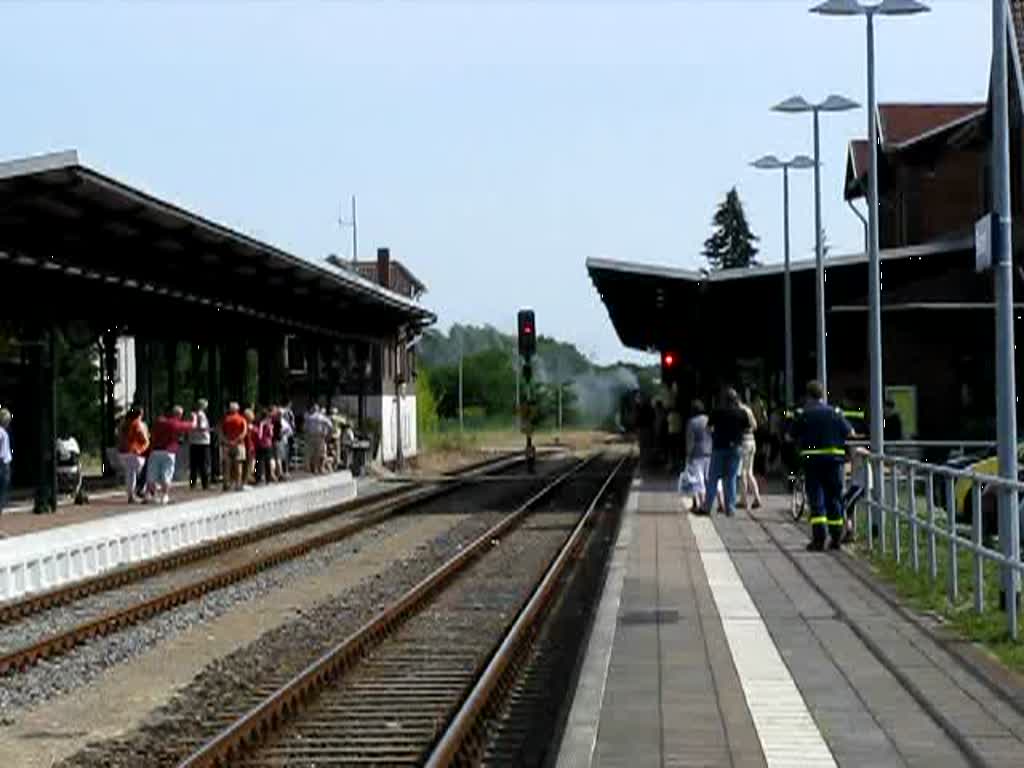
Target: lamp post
{"type": "Point", "coordinates": [793, 105]}
{"type": "Point", "coordinates": [771, 163]}
{"type": "Point", "coordinates": [884, 8]}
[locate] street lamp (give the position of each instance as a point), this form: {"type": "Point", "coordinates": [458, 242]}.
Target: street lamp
{"type": "Point", "coordinates": [772, 163]}
{"type": "Point", "coordinates": [793, 105]}
{"type": "Point", "coordinates": [885, 8]}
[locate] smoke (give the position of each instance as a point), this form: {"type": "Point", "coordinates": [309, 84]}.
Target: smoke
{"type": "Point", "coordinates": [598, 392]}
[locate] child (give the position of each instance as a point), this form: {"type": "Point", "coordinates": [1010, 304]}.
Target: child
{"type": "Point", "coordinates": [691, 483]}
{"type": "Point", "coordinates": [856, 486]}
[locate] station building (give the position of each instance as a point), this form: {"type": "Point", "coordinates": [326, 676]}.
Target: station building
{"type": "Point", "coordinates": [938, 311]}
{"type": "Point", "coordinates": [173, 306]}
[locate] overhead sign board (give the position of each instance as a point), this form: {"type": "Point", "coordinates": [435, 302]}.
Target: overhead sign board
{"type": "Point", "coordinates": [983, 243]}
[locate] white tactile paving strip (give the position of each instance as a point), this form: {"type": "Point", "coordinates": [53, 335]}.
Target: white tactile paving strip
{"type": "Point", "coordinates": [788, 734]}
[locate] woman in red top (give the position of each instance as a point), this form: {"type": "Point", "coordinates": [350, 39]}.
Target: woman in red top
{"type": "Point", "coordinates": [133, 442]}
{"type": "Point", "coordinates": [264, 439]}
{"type": "Point", "coordinates": [250, 446]}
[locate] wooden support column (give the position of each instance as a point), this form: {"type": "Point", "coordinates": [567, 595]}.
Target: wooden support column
{"type": "Point", "coordinates": [144, 374]}
{"type": "Point", "coordinates": [108, 371]}
{"type": "Point", "coordinates": [44, 354]}
{"type": "Point", "coordinates": [265, 376]}
{"type": "Point", "coordinates": [171, 362]}
{"type": "Point", "coordinates": [314, 370]}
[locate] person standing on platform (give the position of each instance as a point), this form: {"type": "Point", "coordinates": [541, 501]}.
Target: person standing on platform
{"type": "Point", "coordinates": [822, 432]}
{"type": "Point", "coordinates": [133, 442]}
{"type": "Point", "coordinates": [232, 440]}
{"type": "Point", "coordinates": [698, 449]}
{"type": "Point", "coordinates": [316, 426]}
{"type": "Point", "coordinates": [748, 453]}
{"type": "Point", "coordinates": [251, 435]}
{"type": "Point", "coordinates": [6, 457]}
{"type": "Point", "coordinates": [264, 448]}
{"type": "Point", "coordinates": [893, 424]}
{"type": "Point", "coordinates": [675, 438]}
{"type": "Point", "coordinates": [199, 447]}
{"type": "Point", "coordinates": [727, 423]}
{"type": "Point", "coordinates": [283, 432]}
{"type": "Point", "coordinates": [762, 434]}
{"type": "Point", "coordinates": [167, 431]}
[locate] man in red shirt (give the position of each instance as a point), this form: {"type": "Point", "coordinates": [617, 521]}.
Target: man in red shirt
{"type": "Point", "coordinates": [160, 470]}
{"type": "Point", "coordinates": [233, 428]}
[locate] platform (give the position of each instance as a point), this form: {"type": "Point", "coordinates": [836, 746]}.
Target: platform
{"type": "Point", "coordinates": [713, 646]}
{"type": "Point", "coordinates": [40, 552]}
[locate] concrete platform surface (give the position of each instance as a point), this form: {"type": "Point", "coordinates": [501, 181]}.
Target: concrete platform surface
{"type": "Point", "coordinates": [721, 642]}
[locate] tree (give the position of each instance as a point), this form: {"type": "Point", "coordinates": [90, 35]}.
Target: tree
{"type": "Point", "coordinates": [427, 419]}
{"type": "Point", "coordinates": [731, 244]}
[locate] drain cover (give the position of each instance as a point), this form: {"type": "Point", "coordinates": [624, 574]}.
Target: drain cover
{"type": "Point", "coordinates": [652, 616]}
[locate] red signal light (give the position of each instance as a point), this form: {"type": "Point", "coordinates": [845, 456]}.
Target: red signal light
{"type": "Point", "coordinates": [668, 359]}
{"type": "Point", "coordinates": [527, 329]}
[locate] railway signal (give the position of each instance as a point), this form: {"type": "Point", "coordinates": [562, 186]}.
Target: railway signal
{"type": "Point", "coordinates": [527, 334]}
{"type": "Point", "coordinates": [669, 366]}
{"type": "Point", "coordinates": [527, 325]}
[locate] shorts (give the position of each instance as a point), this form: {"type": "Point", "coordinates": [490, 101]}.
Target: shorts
{"type": "Point", "coordinates": [281, 451]}
{"type": "Point", "coordinates": [236, 453]}
{"type": "Point", "coordinates": [160, 468]}
{"type": "Point", "coordinates": [748, 449]}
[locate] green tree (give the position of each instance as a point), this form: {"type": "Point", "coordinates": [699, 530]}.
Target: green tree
{"type": "Point", "coordinates": [427, 419]}
{"type": "Point", "coordinates": [78, 393]}
{"type": "Point", "coordinates": [731, 244]}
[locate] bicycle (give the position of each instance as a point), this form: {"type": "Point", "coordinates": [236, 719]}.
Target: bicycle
{"type": "Point", "coordinates": [797, 495]}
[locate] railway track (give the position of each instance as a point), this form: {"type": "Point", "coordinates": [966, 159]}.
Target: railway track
{"type": "Point", "coordinates": [419, 681]}
{"type": "Point", "coordinates": [204, 571]}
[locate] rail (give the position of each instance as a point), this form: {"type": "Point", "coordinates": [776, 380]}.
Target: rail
{"type": "Point", "coordinates": [283, 703]}
{"type": "Point", "coordinates": [900, 508]}
{"type": "Point", "coordinates": [464, 740]}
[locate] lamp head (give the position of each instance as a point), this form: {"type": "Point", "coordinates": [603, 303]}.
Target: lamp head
{"type": "Point", "coordinates": [900, 7]}
{"type": "Point", "coordinates": [793, 104]}
{"type": "Point", "coordinates": [801, 162]}
{"type": "Point", "coordinates": [856, 8]}
{"type": "Point", "coordinates": [836, 103]}
{"type": "Point", "coordinates": [839, 8]}
{"type": "Point", "coordinates": [768, 163]}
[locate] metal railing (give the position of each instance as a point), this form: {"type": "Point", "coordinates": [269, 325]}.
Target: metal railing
{"type": "Point", "coordinates": [902, 509]}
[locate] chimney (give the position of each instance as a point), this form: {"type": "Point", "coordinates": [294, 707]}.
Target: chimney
{"type": "Point", "coordinates": [384, 267]}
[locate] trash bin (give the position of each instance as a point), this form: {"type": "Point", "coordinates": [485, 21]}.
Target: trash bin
{"type": "Point", "coordinates": [360, 449]}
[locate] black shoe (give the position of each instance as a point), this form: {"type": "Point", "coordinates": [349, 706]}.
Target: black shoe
{"type": "Point", "coordinates": [756, 504]}
{"type": "Point", "coordinates": [816, 546]}
{"type": "Point", "coordinates": [834, 545]}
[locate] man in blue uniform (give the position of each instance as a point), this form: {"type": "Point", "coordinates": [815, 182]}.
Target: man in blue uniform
{"type": "Point", "coordinates": [821, 432]}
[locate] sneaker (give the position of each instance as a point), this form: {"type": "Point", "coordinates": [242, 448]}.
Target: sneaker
{"type": "Point", "coordinates": [165, 499]}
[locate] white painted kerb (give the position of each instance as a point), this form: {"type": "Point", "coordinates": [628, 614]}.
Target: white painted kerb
{"type": "Point", "coordinates": [580, 736]}
{"type": "Point", "coordinates": [39, 561]}
{"type": "Point", "coordinates": [789, 736]}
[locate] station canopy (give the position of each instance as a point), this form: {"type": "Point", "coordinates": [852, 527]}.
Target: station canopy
{"type": "Point", "coordinates": [81, 245]}
{"type": "Point", "coordinates": [658, 307]}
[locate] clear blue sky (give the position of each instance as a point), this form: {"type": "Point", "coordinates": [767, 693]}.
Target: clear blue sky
{"type": "Point", "coordinates": [493, 146]}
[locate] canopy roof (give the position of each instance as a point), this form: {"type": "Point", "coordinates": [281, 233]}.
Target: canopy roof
{"type": "Point", "coordinates": [657, 307]}
{"type": "Point", "coordinates": [66, 218]}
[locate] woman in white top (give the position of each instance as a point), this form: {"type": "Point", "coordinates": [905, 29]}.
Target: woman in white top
{"type": "Point", "coordinates": [199, 447]}
{"type": "Point", "coordinates": [748, 449]}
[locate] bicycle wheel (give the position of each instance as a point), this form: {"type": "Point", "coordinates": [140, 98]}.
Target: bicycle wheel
{"type": "Point", "coordinates": [797, 498]}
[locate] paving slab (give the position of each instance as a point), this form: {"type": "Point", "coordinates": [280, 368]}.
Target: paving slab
{"type": "Point", "coordinates": [698, 599]}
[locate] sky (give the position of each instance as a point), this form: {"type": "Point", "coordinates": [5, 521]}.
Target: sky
{"type": "Point", "coordinates": [493, 146]}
